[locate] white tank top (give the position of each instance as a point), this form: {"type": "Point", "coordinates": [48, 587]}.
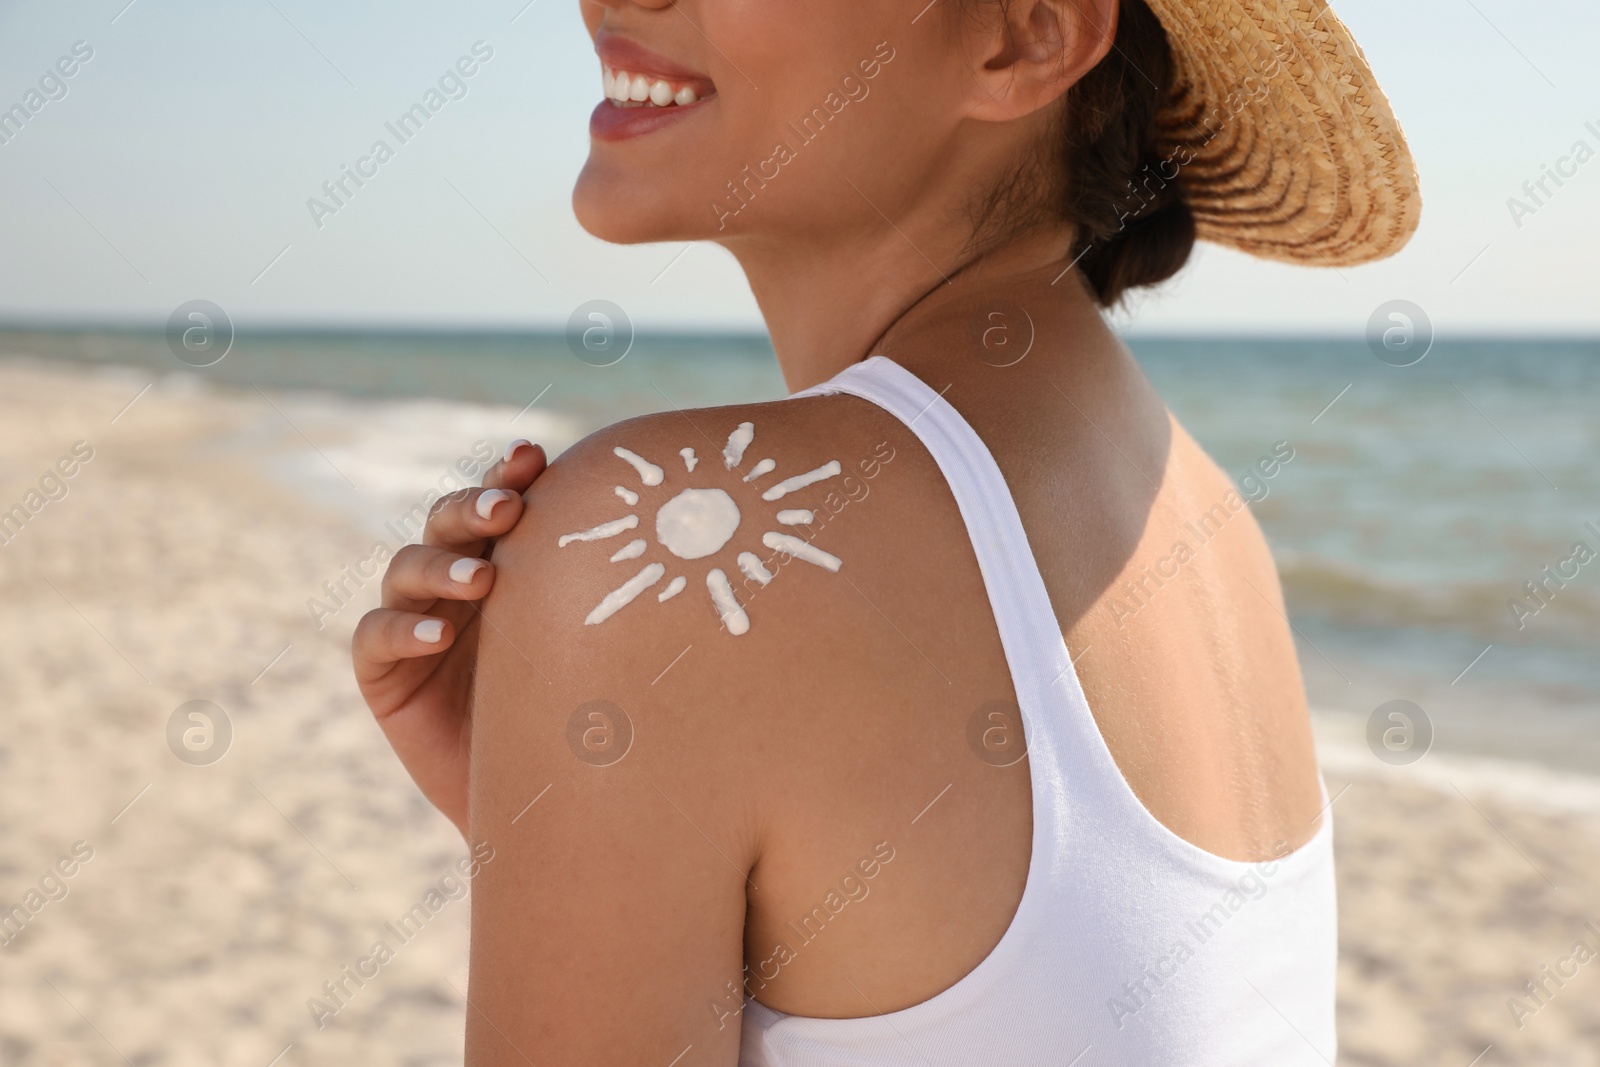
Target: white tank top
{"type": "Point", "coordinates": [1130, 946]}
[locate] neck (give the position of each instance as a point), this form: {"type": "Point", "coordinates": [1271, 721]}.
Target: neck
{"type": "Point", "coordinates": [830, 300]}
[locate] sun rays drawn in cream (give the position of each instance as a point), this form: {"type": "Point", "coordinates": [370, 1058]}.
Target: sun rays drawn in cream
{"type": "Point", "coordinates": [699, 522]}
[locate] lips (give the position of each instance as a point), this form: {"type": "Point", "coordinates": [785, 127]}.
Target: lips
{"type": "Point", "coordinates": [645, 91]}
{"type": "Point", "coordinates": [625, 54]}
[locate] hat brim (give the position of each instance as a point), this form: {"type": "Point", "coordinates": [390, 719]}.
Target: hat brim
{"type": "Point", "coordinates": [1281, 140]}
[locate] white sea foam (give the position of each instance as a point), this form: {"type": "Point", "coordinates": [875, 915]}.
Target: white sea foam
{"type": "Point", "coordinates": [381, 458]}
{"type": "Point", "coordinates": [1518, 783]}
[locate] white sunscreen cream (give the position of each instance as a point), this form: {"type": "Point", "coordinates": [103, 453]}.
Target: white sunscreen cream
{"type": "Point", "coordinates": [700, 522]}
{"type": "Point", "coordinates": [623, 595]}
{"type": "Point", "coordinates": [697, 522]}
{"type": "Point", "coordinates": [800, 481]}
{"type": "Point", "coordinates": [649, 473]}
{"type": "Point", "coordinates": [632, 550]}
{"type": "Point", "coordinates": [753, 568]}
{"type": "Point", "coordinates": [794, 546]}
{"type": "Point", "coordinates": [598, 533]}
{"type": "Point", "coordinates": [738, 441]}
{"type": "Point", "coordinates": [727, 605]}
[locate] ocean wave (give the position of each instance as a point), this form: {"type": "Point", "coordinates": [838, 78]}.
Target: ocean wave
{"type": "Point", "coordinates": [380, 458]}
{"type": "Point", "coordinates": [1348, 596]}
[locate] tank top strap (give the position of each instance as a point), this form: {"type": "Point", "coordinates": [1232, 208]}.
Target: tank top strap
{"type": "Point", "coordinates": [1058, 726]}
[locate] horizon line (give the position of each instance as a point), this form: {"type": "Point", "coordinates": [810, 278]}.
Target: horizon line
{"type": "Point", "coordinates": [313, 328]}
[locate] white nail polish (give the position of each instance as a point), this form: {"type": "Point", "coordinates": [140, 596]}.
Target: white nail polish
{"type": "Point", "coordinates": [487, 501]}
{"type": "Point", "coordinates": [429, 630]}
{"type": "Point", "coordinates": [463, 570]}
{"type": "Point", "coordinates": [514, 445]}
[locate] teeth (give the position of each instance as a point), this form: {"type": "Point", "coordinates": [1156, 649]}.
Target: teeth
{"type": "Point", "coordinates": [623, 87]}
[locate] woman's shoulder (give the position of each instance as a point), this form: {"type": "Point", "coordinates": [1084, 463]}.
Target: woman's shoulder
{"type": "Point", "coordinates": [696, 556]}
{"type": "Point", "coordinates": [679, 495]}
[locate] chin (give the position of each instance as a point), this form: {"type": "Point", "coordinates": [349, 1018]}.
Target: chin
{"type": "Point", "coordinates": [615, 206]}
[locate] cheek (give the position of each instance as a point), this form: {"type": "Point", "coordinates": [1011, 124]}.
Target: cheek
{"type": "Point", "coordinates": [855, 144]}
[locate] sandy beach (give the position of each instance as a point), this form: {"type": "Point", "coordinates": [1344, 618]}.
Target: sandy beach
{"type": "Point", "coordinates": [209, 902]}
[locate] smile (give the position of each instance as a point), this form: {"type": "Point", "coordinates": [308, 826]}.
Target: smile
{"type": "Point", "coordinates": [645, 91]}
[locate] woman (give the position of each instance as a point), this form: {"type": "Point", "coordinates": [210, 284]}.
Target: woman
{"type": "Point", "coordinates": [946, 711]}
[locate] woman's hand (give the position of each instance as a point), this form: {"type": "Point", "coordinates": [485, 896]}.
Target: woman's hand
{"type": "Point", "coordinates": [414, 656]}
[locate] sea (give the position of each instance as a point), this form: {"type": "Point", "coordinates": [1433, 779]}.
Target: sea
{"type": "Point", "coordinates": [1437, 529]}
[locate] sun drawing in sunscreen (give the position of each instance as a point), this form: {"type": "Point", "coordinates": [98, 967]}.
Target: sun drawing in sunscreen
{"type": "Point", "coordinates": [697, 523]}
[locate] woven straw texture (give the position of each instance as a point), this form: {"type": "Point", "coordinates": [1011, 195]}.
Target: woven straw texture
{"type": "Point", "coordinates": [1285, 146]}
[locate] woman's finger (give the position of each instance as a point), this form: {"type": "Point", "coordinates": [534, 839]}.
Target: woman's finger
{"type": "Point", "coordinates": [464, 520]}
{"type": "Point", "coordinates": [522, 463]}
{"type": "Point", "coordinates": [418, 575]}
{"type": "Point", "coordinates": [384, 636]}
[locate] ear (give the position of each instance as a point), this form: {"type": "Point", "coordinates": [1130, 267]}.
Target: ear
{"type": "Point", "coordinates": [1027, 53]}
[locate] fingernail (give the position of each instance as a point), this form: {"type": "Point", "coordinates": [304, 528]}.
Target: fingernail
{"type": "Point", "coordinates": [462, 570]}
{"type": "Point", "coordinates": [514, 446]}
{"type": "Point", "coordinates": [485, 505]}
{"type": "Point", "coordinates": [429, 630]}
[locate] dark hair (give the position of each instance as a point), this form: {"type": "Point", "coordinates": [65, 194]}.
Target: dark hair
{"type": "Point", "coordinates": [1107, 175]}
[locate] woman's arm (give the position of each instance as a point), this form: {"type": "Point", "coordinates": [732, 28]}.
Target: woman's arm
{"type": "Point", "coordinates": [608, 927]}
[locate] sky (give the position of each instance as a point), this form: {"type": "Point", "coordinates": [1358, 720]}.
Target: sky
{"type": "Point", "coordinates": [178, 164]}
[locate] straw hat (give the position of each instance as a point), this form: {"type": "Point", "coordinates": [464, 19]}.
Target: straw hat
{"type": "Point", "coordinates": [1285, 146]}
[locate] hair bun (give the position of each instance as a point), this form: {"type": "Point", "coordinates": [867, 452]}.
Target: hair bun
{"type": "Point", "coordinates": [1152, 245]}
